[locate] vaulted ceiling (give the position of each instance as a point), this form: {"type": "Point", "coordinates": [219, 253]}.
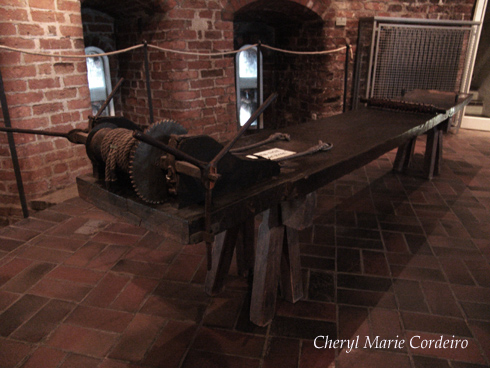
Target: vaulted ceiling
{"type": "Point", "coordinates": [276, 12]}
{"type": "Point", "coordinates": [121, 9]}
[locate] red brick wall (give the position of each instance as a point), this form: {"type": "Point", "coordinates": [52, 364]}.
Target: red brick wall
{"type": "Point", "coordinates": [42, 93]}
{"type": "Point", "coordinates": [197, 91]}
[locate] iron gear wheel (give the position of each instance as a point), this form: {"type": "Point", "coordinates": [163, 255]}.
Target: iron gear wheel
{"type": "Point", "coordinates": [148, 178]}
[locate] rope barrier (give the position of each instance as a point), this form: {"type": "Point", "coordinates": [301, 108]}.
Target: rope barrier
{"type": "Point", "coordinates": [304, 52]}
{"type": "Point", "coordinates": [72, 56]}
{"type": "Point", "coordinates": [8, 48]}
{"type": "Point", "coordinates": [201, 53]}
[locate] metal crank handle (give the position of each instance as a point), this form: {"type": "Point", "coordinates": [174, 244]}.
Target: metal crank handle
{"type": "Point", "coordinates": [272, 138]}
{"type": "Point", "coordinates": [318, 148]}
{"type": "Point", "coordinates": [78, 136]}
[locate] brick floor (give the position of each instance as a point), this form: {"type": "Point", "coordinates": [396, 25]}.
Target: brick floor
{"type": "Point", "coordinates": [389, 258]}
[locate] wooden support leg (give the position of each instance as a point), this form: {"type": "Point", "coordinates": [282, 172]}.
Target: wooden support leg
{"type": "Point", "coordinates": [432, 154]}
{"type": "Point", "coordinates": [224, 246]}
{"type": "Point", "coordinates": [437, 165]}
{"type": "Point", "coordinates": [278, 256]}
{"type": "Point", "coordinates": [296, 215]}
{"type": "Point", "coordinates": [245, 247]}
{"type": "Point", "coordinates": [291, 280]}
{"type": "Point", "coordinates": [404, 156]}
{"type": "Point", "coordinates": [267, 268]}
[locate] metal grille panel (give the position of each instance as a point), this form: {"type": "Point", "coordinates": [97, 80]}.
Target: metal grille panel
{"type": "Point", "coordinates": [407, 54]}
{"type": "Point", "coordinates": [416, 57]}
{"type": "Point", "coordinates": [394, 55]}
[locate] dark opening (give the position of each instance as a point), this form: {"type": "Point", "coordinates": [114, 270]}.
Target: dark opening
{"type": "Point", "coordinates": [300, 80]}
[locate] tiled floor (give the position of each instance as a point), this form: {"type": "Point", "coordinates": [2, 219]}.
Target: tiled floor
{"type": "Point", "coordinates": [390, 257]}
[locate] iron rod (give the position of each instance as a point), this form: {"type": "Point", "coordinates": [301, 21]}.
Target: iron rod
{"type": "Point", "coordinates": [109, 98]}
{"type": "Point", "coordinates": [209, 237]}
{"type": "Point", "coordinates": [13, 150]}
{"type": "Point", "coordinates": [32, 131]}
{"type": "Point", "coordinates": [259, 79]}
{"type": "Point", "coordinates": [357, 67]}
{"type": "Point", "coordinates": [243, 129]}
{"type": "Point", "coordinates": [346, 76]}
{"type": "Point", "coordinates": [148, 86]}
{"type": "Point", "coordinates": [272, 138]}
{"type": "Point", "coordinates": [208, 203]}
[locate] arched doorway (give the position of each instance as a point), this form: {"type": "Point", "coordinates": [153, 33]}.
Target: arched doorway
{"type": "Point", "coordinates": [249, 84]}
{"type": "Point", "coordinates": [300, 80]}
{"type": "Point", "coordinates": [99, 80]}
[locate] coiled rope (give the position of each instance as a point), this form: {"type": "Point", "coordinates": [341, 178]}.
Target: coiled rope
{"type": "Point", "coordinates": [116, 150]}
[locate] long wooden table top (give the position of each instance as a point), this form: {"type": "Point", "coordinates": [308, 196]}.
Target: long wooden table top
{"type": "Point", "coordinates": [358, 137]}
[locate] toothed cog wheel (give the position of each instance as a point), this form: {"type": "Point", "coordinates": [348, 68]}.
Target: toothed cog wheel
{"type": "Point", "coordinates": [147, 177]}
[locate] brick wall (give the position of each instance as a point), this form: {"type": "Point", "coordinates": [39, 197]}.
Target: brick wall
{"type": "Point", "coordinates": [197, 91]}
{"type": "Point", "coordinates": [42, 93]}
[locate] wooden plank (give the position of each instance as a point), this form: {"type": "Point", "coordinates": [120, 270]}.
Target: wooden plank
{"type": "Point", "coordinates": [298, 213]}
{"type": "Point", "coordinates": [267, 268]}
{"type": "Point", "coordinates": [188, 169]}
{"type": "Point", "coordinates": [440, 138]}
{"type": "Point", "coordinates": [404, 155]}
{"type": "Point", "coordinates": [245, 248]}
{"type": "Point", "coordinates": [431, 152]}
{"type": "Point", "coordinates": [222, 254]}
{"type": "Point", "coordinates": [291, 279]}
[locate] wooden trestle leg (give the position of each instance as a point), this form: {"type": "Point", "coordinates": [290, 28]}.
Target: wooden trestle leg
{"type": "Point", "coordinates": [291, 281]}
{"type": "Point", "coordinates": [278, 257]}
{"type": "Point", "coordinates": [267, 268]}
{"type": "Point", "coordinates": [276, 262]}
{"type": "Point", "coordinates": [296, 215]}
{"type": "Point", "coordinates": [224, 246]}
{"type": "Point", "coordinates": [241, 238]}
{"type": "Point", "coordinates": [245, 248]}
{"type": "Point", "coordinates": [404, 156]}
{"type": "Point", "coordinates": [433, 152]}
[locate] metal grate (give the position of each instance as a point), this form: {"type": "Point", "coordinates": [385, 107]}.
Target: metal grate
{"type": "Point", "coordinates": [395, 55]}
{"type": "Point", "coordinates": [402, 54]}
{"type": "Point", "coordinates": [418, 57]}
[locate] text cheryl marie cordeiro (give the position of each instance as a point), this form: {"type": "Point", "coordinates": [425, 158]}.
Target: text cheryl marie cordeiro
{"type": "Point", "coordinates": [376, 342]}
